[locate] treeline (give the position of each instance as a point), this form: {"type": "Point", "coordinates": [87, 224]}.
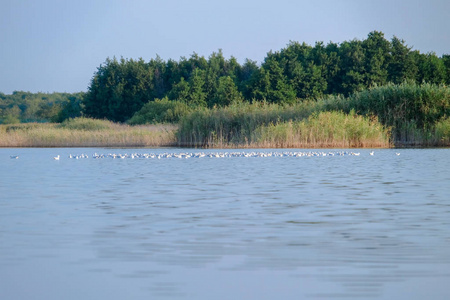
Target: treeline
{"type": "Point", "coordinates": [26, 107]}
{"type": "Point", "coordinates": [139, 92]}
{"type": "Point", "coordinates": [121, 87]}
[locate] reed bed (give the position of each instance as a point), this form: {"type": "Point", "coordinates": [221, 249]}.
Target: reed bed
{"type": "Point", "coordinates": [86, 133]}
{"type": "Point", "coordinates": [324, 130]}
{"type": "Point", "coordinates": [413, 111]}
{"type": "Point", "coordinates": [276, 126]}
{"type": "Point", "coordinates": [414, 115]}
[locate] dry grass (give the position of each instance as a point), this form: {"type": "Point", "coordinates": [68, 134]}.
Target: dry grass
{"type": "Point", "coordinates": [109, 135]}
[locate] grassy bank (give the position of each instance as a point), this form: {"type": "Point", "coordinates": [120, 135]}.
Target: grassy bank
{"type": "Point", "coordinates": [83, 132]}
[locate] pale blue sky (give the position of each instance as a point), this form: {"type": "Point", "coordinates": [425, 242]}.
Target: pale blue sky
{"type": "Point", "coordinates": [57, 45]}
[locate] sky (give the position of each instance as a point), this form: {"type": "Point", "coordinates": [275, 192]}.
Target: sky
{"type": "Point", "coordinates": [57, 45]}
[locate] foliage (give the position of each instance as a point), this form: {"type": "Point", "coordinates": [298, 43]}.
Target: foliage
{"type": "Point", "coordinates": [160, 111]}
{"type": "Point", "coordinates": [409, 108]}
{"type": "Point", "coordinates": [119, 89]}
{"type": "Point", "coordinates": [297, 72]}
{"type": "Point", "coordinates": [38, 107]}
{"type": "Point", "coordinates": [414, 115]}
{"type": "Point", "coordinates": [71, 109]}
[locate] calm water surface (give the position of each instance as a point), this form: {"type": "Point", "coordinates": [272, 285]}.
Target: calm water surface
{"type": "Point", "coordinates": [333, 227]}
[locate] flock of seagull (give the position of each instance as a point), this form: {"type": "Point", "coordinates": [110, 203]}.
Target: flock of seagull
{"type": "Point", "coordinates": [186, 155]}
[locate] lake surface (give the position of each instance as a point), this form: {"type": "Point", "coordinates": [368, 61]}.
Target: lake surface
{"type": "Point", "coordinates": [235, 227]}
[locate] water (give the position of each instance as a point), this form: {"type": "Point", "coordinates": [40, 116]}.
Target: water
{"type": "Point", "coordinates": [328, 227]}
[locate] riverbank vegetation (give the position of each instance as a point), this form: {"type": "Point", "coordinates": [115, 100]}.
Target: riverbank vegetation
{"type": "Point", "coordinates": [407, 114]}
{"type": "Point", "coordinates": [369, 93]}
{"type": "Point", "coordinates": [83, 132]}
{"type": "Point", "coordinates": [271, 126]}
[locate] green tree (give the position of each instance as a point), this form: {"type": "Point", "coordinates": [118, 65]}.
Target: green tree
{"type": "Point", "coordinates": [71, 109]}
{"type": "Point", "coordinates": [401, 66]}
{"type": "Point", "coordinates": [446, 62]}
{"type": "Point", "coordinates": [119, 89]}
{"type": "Point", "coordinates": [160, 84]}
{"type": "Point", "coordinates": [213, 72]}
{"type": "Point", "coordinates": [352, 67]}
{"type": "Point", "coordinates": [377, 57]}
{"type": "Point", "coordinates": [272, 83]}
{"type": "Point", "coordinates": [11, 115]}
{"type": "Point", "coordinates": [431, 68]}
{"type": "Point", "coordinates": [197, 95]}
{"type": "Point", "coordinates": [332, 68]}
{"type": "Point", "coordinates": [180, 91]}
{"type": "Point", "coordinates": [226, 92]}
{"type": "Point", "coordinates": [247, 77]}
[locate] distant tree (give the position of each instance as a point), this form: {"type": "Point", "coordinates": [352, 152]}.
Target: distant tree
{"type": "Point", "coordinates": [296, 59]}
{"type": "Point", "coordinates": [332, 68]}
{"type": "Point", "coordinates": [197, 95]}
{"type": "Point", "coordinates": [226, 92]}
{"type": "Point", "coordinates": [119, 89]}
{"type": "Point", "coordinates": [71, 109]}
{"type": "Point", "coordinates": [160, 84]}
{"type": "Point", "coordinates": [246, 78]}
{"type": "Point", "coordinates": [431, 68]}
{"type": "Point", "coordinates": [377, 58]}
{"type": "Point", "coordinates": [232, 68]}
{"type": "Point", "coordinates": [352, 68]}
{"type": "Point", "coordinates": [401, 66]}
{"type": "Point", "coordinates": [11, 115]}
{"type": "Point", "coordinates": [446, 62]}
{"type": "Point", "coordinates": [213, 71]}
{"type": "Point", "coordinates": [272, 84]}
{"type": "Point", "coordinates": [180, 91]}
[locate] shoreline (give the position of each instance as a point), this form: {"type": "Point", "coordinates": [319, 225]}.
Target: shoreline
{"type": "Point", "coordinates": [172, 146]}
{"type": "Point", "coordinates": [89, 133]}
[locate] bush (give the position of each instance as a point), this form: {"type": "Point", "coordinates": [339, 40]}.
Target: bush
{"type": "Point", "coordinates": [10, 119]}
{"type": "Point", "coordinates": [160, 111]}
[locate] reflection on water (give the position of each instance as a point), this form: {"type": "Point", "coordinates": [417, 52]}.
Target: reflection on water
{"type": "Point", "coordinates": [225, 228]}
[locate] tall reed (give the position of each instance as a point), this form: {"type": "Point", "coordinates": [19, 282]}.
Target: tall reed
{"type": "Point", "coordinates": [412, 110]}
{"type": "Point", "coordinates": [271, 125]}
{"type": "Point", "coordinates": [324, 130]}
{"type": "Point", "coordinates": [233, 124]}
